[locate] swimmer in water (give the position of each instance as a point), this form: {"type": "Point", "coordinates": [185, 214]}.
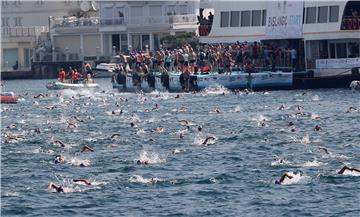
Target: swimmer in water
{"type": "Point", "coordinates": [351, 109]}
{"type": "Point", "coordinates": [158, 130]}
{"type": "Point", "coordinates": [184, 122]}
{"type": "Point", "coordinates": [85, 181]}
{"type": "Point", "coordinates": [348, 168]}
{"type": "Point", "coordinates": [317, 128]}
{"type": "Point", "coordinates": [57, 188]}
{"type": "Point", "coordinates": [87, 148]}
{"type": "Point", "coordinates": [291, 123]}
{"type": "Point", "coordinates": [200, 128]}
{"type": "Point", "coordinates": [38, 96]}
{"type": "Point", "coordinates": [142, 162]}
{"type": "Point", "coordinates": [285, 175]}
{"type": "Point", "coordinates": [59, 142]}
{"type": "Point", "coordinates": [282, 107]}
{"type": "Point", "coordinates": [115, 135]}
{"type": "Point", "coordinates": [59, 159]}
{"type": "Point", "coordinates": [209, 138]}
{"type": "Point", "coordinates": [325, 150]}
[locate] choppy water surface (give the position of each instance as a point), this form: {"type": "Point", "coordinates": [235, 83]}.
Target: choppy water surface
{"type": "Point", "coordinates": [231, 175]}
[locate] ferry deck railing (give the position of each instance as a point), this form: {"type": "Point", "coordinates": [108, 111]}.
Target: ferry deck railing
{"type": "Point", "coordinates": [350, 23]}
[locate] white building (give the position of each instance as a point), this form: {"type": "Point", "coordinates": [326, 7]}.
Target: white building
{"type": "Point", "coordinates": [23, 23]}
{"type": "Point", "coordinates": [122, 26]}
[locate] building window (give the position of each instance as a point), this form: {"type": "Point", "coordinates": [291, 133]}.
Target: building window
{"type": "Point", "coordinates": [5, 21]}
{"type": "Point", "coordinates": [17, 3]}
{"type": "Point", "coordinates": [18, 21]}
{"type": "Point", "coordinates": [245, 18]}
{"type": "Point", "coordinates": [235, 19]}
{"type": "Point", "coordinates": [322, 14]}
{"type": "Point", "coordinates": [183, 9]}
{"type": "Point", "coordinates": [263, 17]}
{"type": "Point", "coordinates": [170, 10]}
{"type": "Point", "coordinates": [136, 11]}
{"type": "Point", "coordinates": [40, 3]}
{"type": "Point", "coordinates": [311, 15]}
{"type": "Point", "coordinates": [155, 10]}
{"type": "Point", "coordinates": [4, 3]}
{"type": "Point", "coordinates": [256, 18]}
{"type": "Point", "coordinates": [224, 22]}
{"type": "Point", "coordinates": [124, 42]}
{"type": "Point", "coordinates": [334, 14]}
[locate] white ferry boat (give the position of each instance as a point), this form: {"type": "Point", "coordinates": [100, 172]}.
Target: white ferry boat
{"type": "Point", "coordinates": [324, 34]}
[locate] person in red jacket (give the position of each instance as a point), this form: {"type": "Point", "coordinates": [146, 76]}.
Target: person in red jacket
{"type": "Point", "coordinates": [62, 75]}
{"type": "Point", "coordinates": [75, 76]}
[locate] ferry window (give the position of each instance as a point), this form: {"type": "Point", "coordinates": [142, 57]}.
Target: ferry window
{"type": "Point", "coordinates": [323, 49]}
{"type": "Point", "coordinates": [224, 19]}
{"type": "Point", "coordinates": [155, 10]}
{"type": "Point", "coordinates": [256, 18]}
{"type": "Point", "coordinates": [341, 50]}
{"type": "Point", "coordinates": [323, 14]}
{"type": "Point", "coordinates": [311, 15]}
{"type": "Point", "coordinates": [264, 17]}
{"type": "Point", "coordinates": [334, 14]}
{"type": "Point", "coordinates": [353, 50]}
{"type": "Point", "coordinates": [332, 51]}
{"type": "Point", "coordinates": [145, 41]}
{"type": "Point", "coordinates": [235, 18]}
{"type": "Point", "coordinates": [303, 15]}
{"type": "Point", "coordinates": [245, 18]}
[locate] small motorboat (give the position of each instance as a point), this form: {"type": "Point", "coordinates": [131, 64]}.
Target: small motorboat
{"type": "Point", "coordinates": [355, 85]}
{"type": "Point", "coordinates": [57, 85]}
{"type": "Point", "coordinates": [8, 98]}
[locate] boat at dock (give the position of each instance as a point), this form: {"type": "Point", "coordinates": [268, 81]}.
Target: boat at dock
{"type": "Point", "coordinates": [318, 40]}
{"type": "Point", "coordinates": [236, 80]}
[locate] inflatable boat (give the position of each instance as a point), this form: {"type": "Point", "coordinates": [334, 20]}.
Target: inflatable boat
{"type": "Point", "coordinates": [8, 98]}
{"type": "Point", "coordinates": [57, 85]}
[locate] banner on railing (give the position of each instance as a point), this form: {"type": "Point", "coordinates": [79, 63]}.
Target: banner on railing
{"type": "Point", "coordinates": [343, 63]}
{"type": "Point", "coordinates": [284, 19]}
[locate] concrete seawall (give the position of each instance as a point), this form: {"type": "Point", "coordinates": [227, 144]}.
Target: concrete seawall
{"type": "Point", "coordinates": [40, 70]}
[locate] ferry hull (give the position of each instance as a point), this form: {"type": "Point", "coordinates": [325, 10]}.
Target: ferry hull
{"type": "Point", "coordinates": [342, 81]}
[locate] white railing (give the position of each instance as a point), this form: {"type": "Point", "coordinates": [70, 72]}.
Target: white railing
{"type": "Point", "coordinates": [74, 22]}
{"type": "Point", "coordinates": [182, 19]}
{"type": "Point", "coordinates": [150, 20]}
{"type": "Point", "coordinates": [23, 31]}
{"type": "Point", "coordinates": [114, 21]}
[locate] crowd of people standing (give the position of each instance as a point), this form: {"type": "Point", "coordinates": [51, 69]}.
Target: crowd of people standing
{"type": "Point", "coordinates": [222, 58]}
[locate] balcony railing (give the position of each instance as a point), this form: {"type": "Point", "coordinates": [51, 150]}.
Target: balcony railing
{"type": "Point", "coordinates": [74, 22]}
{"type": "Point", "coordinates": [350, 23]}
{"type": "Point", "coordinates": [111, 22]}
{"type": "Point", "coordinates": [175, 19]}
{"type": "Point", "coordinates": [23, 31]}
